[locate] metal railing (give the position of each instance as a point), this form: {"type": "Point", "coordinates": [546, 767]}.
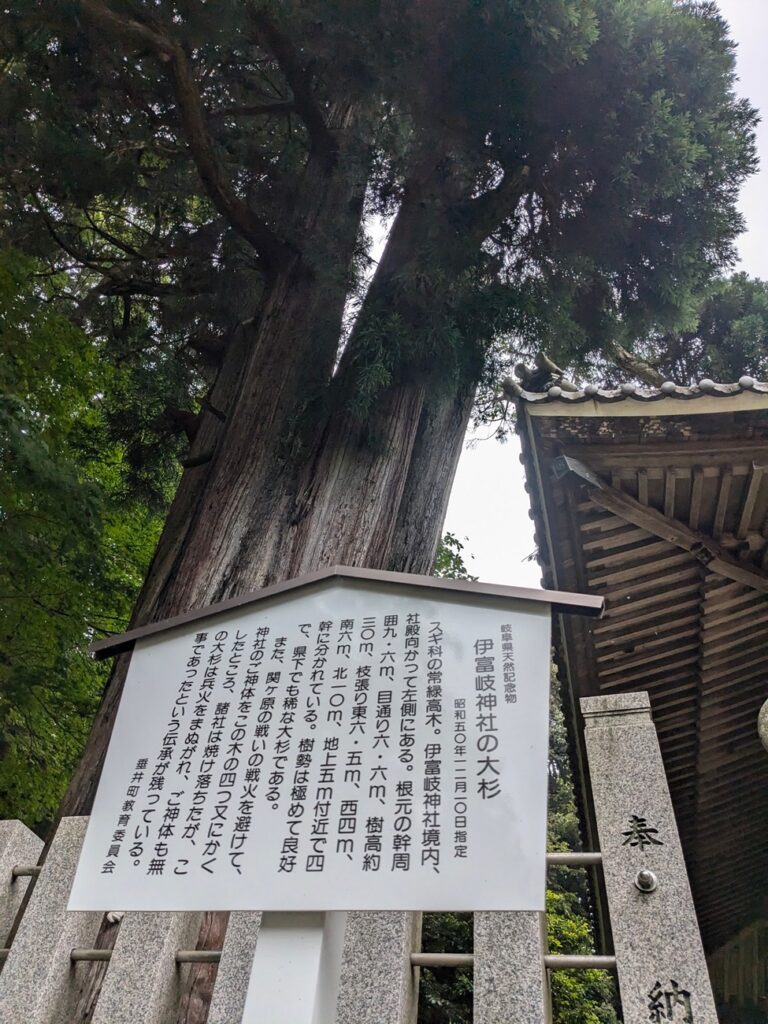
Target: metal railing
{"type": "Point", "coordinates": [213, 956]}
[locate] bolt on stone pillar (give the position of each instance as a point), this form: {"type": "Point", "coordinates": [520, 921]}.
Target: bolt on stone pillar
{"type": "Point", "coordinates": [660, 960]}
{"type": "Point", "coordinates": [143, 980]}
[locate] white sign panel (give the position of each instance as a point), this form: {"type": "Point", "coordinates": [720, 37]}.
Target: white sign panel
{"type": "Point", "coordinates": [353, 747]}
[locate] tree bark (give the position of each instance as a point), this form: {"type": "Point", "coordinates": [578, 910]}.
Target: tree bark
{"type": "Point", "coordinates": [435, 457]}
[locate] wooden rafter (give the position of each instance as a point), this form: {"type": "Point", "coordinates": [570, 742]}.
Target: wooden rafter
{"type": "Point", "coordinates": [707, 550]}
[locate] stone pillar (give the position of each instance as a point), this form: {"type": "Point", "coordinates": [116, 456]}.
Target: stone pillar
{"type": "Point", "coordinates": [234, 973]}
{"type": "Point", "coordinates": [377, 983]}
{"type": "Point", "coordinates": [37, 982]}
{"type": "Point", "coordinates": [142, 983]}
{"type": "Point", "coordinates": [510, 978]}
{"type": "Point", "coordinates": [18, 845]}
{"type": "Point", "coordinates": [662, 971]}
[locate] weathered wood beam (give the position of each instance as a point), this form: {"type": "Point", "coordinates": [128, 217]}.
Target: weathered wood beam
{"type": "Point", "coordinates": [750, 500]}
{"type": "Point", "coordinates": [655, 615]}
{"type": "Point", "coordinates": [639, 572]}
{"type": "Point", "coordinates": [645, 658]}
{"type": "Point", "coordinates": [627, 610]}
{"type": "Point", "coordinates": [697, 491]}
{"type": "Point", "coordinates": [637, 554]}
{"type": "Point", "coordinates": [618, 539]}
{"type": "Point", "coordinates": [633, 588]}
{"type": "Point", "coordinates": [668, 641]}
{"type": "Point", "coordinates": [708, 551]}
{"type": "Point", "coordinates": [642, 486]}
{"type": "Point", "coordinates": [650, 676]}
{"type": "Point", "coordinates": [669, 493]}
{"type": "Point", "coordinates": [658, 630]}
{"type": "Point", "coordinates": [722, 501]}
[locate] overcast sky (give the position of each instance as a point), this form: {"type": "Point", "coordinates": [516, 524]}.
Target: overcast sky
{"type": "Point", "coordinates": [488, 505]}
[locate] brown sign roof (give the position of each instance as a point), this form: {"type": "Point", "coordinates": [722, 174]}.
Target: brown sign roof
{"type": "Point", "coordinates": [577, 604]}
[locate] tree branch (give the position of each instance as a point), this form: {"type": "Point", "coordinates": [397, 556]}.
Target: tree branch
{"type": "Point", "coordinates": [97, 263]}
{"type": "Point", "coordinates": [637, 367]}
{"type": "Point", "coordinates": [116, 280]}
{"type": "Point", "coordinates": [273, 250]}
{"type": "Point", "coordinates": [299, 79]}
{"type": "Point", "coordinates": [492, 207]}
{"type": "Point", "coordinates": [255, 110]}
{"type": "Point", "coordinates": [112, 239]}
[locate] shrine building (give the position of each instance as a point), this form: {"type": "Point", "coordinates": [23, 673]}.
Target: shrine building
{"type": "Point", "coordinates": [657, 500]}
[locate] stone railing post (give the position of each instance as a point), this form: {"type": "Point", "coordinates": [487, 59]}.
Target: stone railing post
{"type": "Point", "coordinates": [18, 845]}
{"type": "Point", "coordinates": [660, 960]}
{"type": "Point", "coordinates": [142, 983]}
{"type": "Point", "coordinates": [234, 973]}
{"type": "Point", "coordinates": [510, 978]}
{"type": "Point", "coordinates": [377, 983]}
{"type": "Point", "coordinates": [37, 982]}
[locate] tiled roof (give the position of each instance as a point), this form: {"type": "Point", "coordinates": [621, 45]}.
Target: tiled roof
{"type": "Point", "coordinates": [637, 393]}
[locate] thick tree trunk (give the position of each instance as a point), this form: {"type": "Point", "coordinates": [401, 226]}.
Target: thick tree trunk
{"type": "Point", "coordinates": [225, 520]}
{"type": "Point", "coordinates": [241, 487]}
{"type": "Point", "coordinates": [433, 464]}
{"type": "Point", "coordinates": [224, 531]}
{"type": "Point", "coordinates": [284, 483]}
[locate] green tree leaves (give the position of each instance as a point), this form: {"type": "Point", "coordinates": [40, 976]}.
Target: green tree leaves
{"type": "Point", "coordinates": [73, 548]}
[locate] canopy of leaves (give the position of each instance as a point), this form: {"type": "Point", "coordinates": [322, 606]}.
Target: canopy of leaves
{"type": "Point", "coordinates": [726, 339]}
{"type": "Point", "coordinates": [562, 174]}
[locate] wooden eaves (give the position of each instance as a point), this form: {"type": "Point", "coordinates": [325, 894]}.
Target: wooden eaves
{"type": "Point", "coordinates": [657, 500]}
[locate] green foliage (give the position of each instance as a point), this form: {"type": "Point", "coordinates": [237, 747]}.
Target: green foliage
{"type": "Point", "coordinates": [727, 336]}
{"type": "Point", "coordinates": [72, 553]}
{"type": "Point", "coordinates": [449, 561]}
{"type": "Point", "coordinates": [445, 993]}
{"type": "Point", "coordinates": [564, 174]}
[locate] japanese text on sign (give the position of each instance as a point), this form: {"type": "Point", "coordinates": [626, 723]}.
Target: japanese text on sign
{"type": "Point", "coordinates": [344, 750]}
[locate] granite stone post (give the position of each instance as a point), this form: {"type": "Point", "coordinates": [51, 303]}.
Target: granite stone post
{"type": "Point", "coordinates": [37, 982]}
{"type": "Point", "coordinates": [377, 983]}
{"type": "Point", "coordinates": [510, 978]}
{"type": "Point", "coordinates": [18, 845]}
{"type": "Point", "coordinates": [142, 983]}
{"type": "Point", "coordinates": [234, 973]}
{"type": "Point", "coordinates": [661, 967]}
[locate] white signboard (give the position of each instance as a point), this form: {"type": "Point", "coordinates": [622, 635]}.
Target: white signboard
{"type": "Point", "coordinates": [356, 746]}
